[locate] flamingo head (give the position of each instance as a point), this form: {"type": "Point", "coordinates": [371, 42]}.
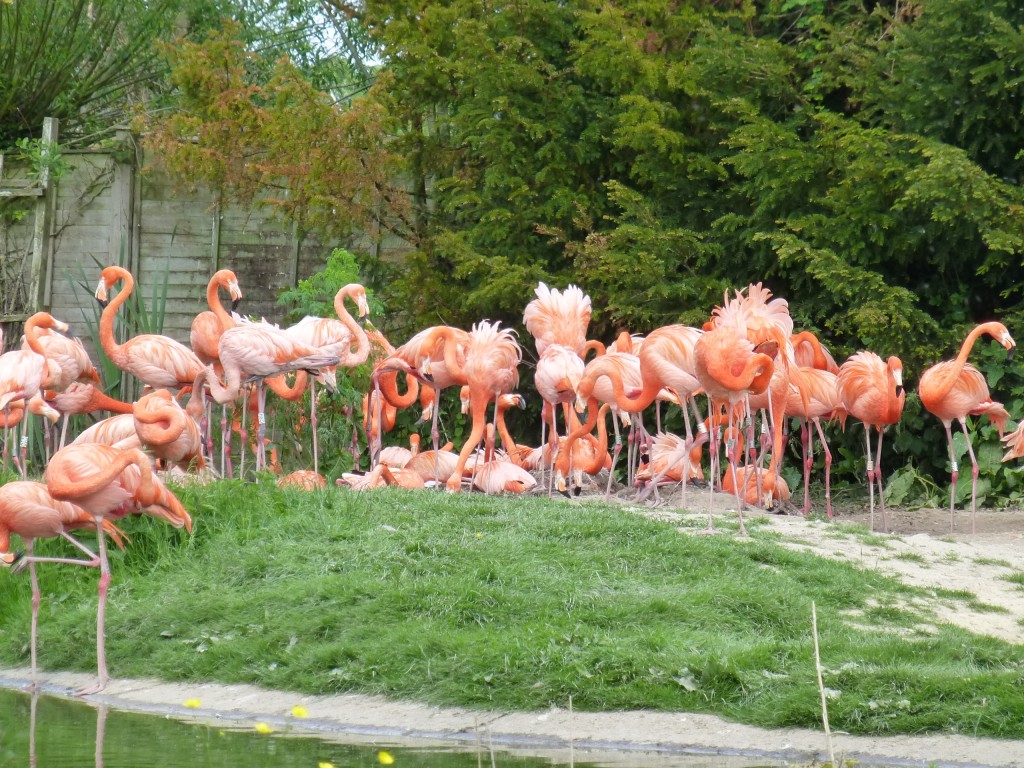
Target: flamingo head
{"type": "Point", "coordinates": [895, 365]}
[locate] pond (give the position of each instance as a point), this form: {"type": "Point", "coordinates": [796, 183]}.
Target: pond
{"type": "Point", "coordinates": [43, 731]}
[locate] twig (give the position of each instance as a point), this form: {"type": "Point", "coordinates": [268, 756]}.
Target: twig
{"type": "Point", "coordinates": [821, 685]}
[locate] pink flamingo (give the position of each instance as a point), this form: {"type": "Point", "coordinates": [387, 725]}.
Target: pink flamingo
{"type": "Point", "coordinates": [110, 483]}
{"type": "Point", "coordinates": [952, 390]}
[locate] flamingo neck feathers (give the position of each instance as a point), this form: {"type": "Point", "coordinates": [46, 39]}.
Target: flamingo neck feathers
{"type": "Point", "coordinates": [109, 344]}
{"type": "Point", "coordinates": [389, 389]}
{"type": "Point", "coordinates": [213, 300]}
{"type": "Point", "coordinates": [358, 356]}
{"type": "Point", "coordinates": [161, 419]}
{"type": "Point", "coordinates": [951, 372]}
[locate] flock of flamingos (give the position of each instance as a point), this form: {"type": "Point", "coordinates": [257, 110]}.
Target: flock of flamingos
{"type": "Point", "coordinates": [745, 360]}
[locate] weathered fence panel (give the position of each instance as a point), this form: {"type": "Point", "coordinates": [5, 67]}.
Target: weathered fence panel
{"type": "Point", "coordinates": [106, 210]}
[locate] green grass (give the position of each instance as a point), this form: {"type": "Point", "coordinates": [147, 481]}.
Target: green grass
{"type": "Point", "coordinates": [514, 604]}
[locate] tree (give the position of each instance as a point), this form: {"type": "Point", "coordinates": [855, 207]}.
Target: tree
{"type": "Point", "coordinates": [85, 63]}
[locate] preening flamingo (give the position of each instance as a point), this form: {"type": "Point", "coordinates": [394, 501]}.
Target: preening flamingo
{"type": "Point", "coordinates": [730, 369]}
{"type": "Point", "coordinates": [110, 483]}
{"type": "Point", "coordinates": [67, 360]}
{"type": "Point", "coordinates": [491, 370]}
{"type": "Point", "coordinates": [157, 361]}
{"type": "Point", "coordinates": [871, 391]}
{"type": "Point", "coordinates": [435, 355]}
{"type": "Point", "coordinates": [28, 510]}
{"type": "Point", "coordinates": [952, 390]}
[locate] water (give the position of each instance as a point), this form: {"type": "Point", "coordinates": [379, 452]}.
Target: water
{"type": "Point", "coordinates": [50, 732]}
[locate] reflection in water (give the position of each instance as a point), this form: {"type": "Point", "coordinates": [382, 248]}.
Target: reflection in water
{"type": "Point", "coordinates": [51, 732]}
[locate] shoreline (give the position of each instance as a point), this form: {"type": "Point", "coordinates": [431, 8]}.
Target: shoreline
{"type": "Point", "coordinates": [635, 738]}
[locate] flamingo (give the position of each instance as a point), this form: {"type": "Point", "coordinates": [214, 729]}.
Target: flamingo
{"type": "Point", "coordinates": [23, 375]}
{"type": "Point", "coordinates": [118, 431]}
{"type": "Point", "coordinates": [871, 390]}
{"type": "Point", "coordinates": [49, 337]}
{"type": "Point", "coordinates": [822, 400]}
{"type": "Point", "coordinates": [303, 479]}
{"type": "Point", "coordinates": [436, 356]}
{"type": "Point", "coordinates": [578, 454]}
{"type": "Point", "coordinates": [205, 334]}
{"type": "Point", "coordinates": [335, 337]}
{"type": "Point", "coordinates": [110, 483]}
{"type": "Point", "coordinates": [491, 370]}
{"type": "Point", "coordinates": [209, 324]}
{"type": "Point", "coordinates": [167, 430]}
{"type": "Point", "coordinates": [81, 398]}
{"type": "Point", "coordinates": [28, 510]}
{"type": "Point", "coordinates": [952, 390]}
{"type": "Point", "coordinates": [259, 350]}
{"type": "Point", "coordinates": [730, 369]}
{"type": "Point", "coordinates": [558, 321]}
{"type": "Point", "coordinates": [157, 361]}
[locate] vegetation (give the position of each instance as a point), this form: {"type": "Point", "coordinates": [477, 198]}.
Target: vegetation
{"type": "Point", "coordinates": [516, 603]}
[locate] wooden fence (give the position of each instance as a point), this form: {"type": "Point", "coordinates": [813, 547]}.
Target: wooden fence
{"type": "Point", "coordinates": [57, 234]}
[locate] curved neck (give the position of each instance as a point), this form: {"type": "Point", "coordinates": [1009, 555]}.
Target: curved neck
{"type": "Point", "coordinates": [389, 389]}
{"type": "Point", "coordinates": [158, 420]}
{"type": "Point", "coordinates": [62, 487]}
{"type": "Point", "coordinates": [101, 401]}
{"type": "Point", "coordinates": [107, 340]}
{"type": "Point", "coordinates": [358, 356]}
{"type": "Point", "coordinates": [213, 300]}
{"type": "Point", "coordinates": [279, 385]}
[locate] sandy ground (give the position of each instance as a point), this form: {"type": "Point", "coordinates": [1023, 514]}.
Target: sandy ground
{"type": "Point", "coordinates": [920, 551]}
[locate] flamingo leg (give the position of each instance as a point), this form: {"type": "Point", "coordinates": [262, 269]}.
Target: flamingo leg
{"type": "Point", "coordinates": [261, 430]}
{"type": "Point", "coordinates": [35, 610]}
{"type": "Point", "coordinates": [312, 424]}
{"type": "Point", "coordinates": [871, 476]}
{"type": "Point", "coordinates": [731, 455]}
{"type": "Point", "coordinates": [101, 614]}
{"type": "Point", "coordinates": [974, 475]}
{"type": "Point", "coordinates": [616, 450]}
{"type": "Point", "coordinates": [954, 473]}
{"type": "Point", "coordinates": [828, 468]}
{"type": "Point", "coordinates": [881, 489]}
{"type": "Point", "coordinates": [244, 434]}
{"type": "Point", "coordinates": [713, 458]}
{"type": "Point", "coordinates": [807, 442]}
{"type": "Point", "coordinates": [64, 429]}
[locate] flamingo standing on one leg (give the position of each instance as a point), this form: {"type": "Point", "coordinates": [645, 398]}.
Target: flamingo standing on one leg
{"type": "Point", "coordinates": [952, 390]}
{"type": "Point", "coordinates": [110, 483]}
{"type": "Point", "coordinates": [28, 510]}
{"type": "Point", "coordinates": [871, 390]}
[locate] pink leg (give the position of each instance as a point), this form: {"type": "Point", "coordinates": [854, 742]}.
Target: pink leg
{"type": "Point", "coordinates": [35, 610]}
{"type": "Point", "coordinates": [261, 430]}
{"type": "Point", "coordinates": [828, 468]}
{"type": "Point", "coordinates": [871, 475]}
{"type": "Point", "coordinates": [312, 423]}
{"type": "Point", "coordinates": [954, 473]}
{"type": "Point", "coordinates": [974, 476]}
{"type": "Point", "coordinates": [806, 439]}
{"type": "Point", "coordinates": [101, 613]}
{"type": "Point", "coordinates": [731, 448]}
{"type": "Point", "coordinates": [881, 488]}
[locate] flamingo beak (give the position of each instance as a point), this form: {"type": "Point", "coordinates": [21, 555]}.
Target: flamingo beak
{"type": "Point", "coordinates": [521, 402]}
{"type": "Point", "coordinates": [235, 303]}
{"type": "Point", "coordinates": [10, 558]}
{"type": "Point", "coordinates": [1010, 350]}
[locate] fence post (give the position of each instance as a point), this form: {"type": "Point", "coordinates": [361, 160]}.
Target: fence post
{"type": "Point", "coordinates": [42, 244]}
